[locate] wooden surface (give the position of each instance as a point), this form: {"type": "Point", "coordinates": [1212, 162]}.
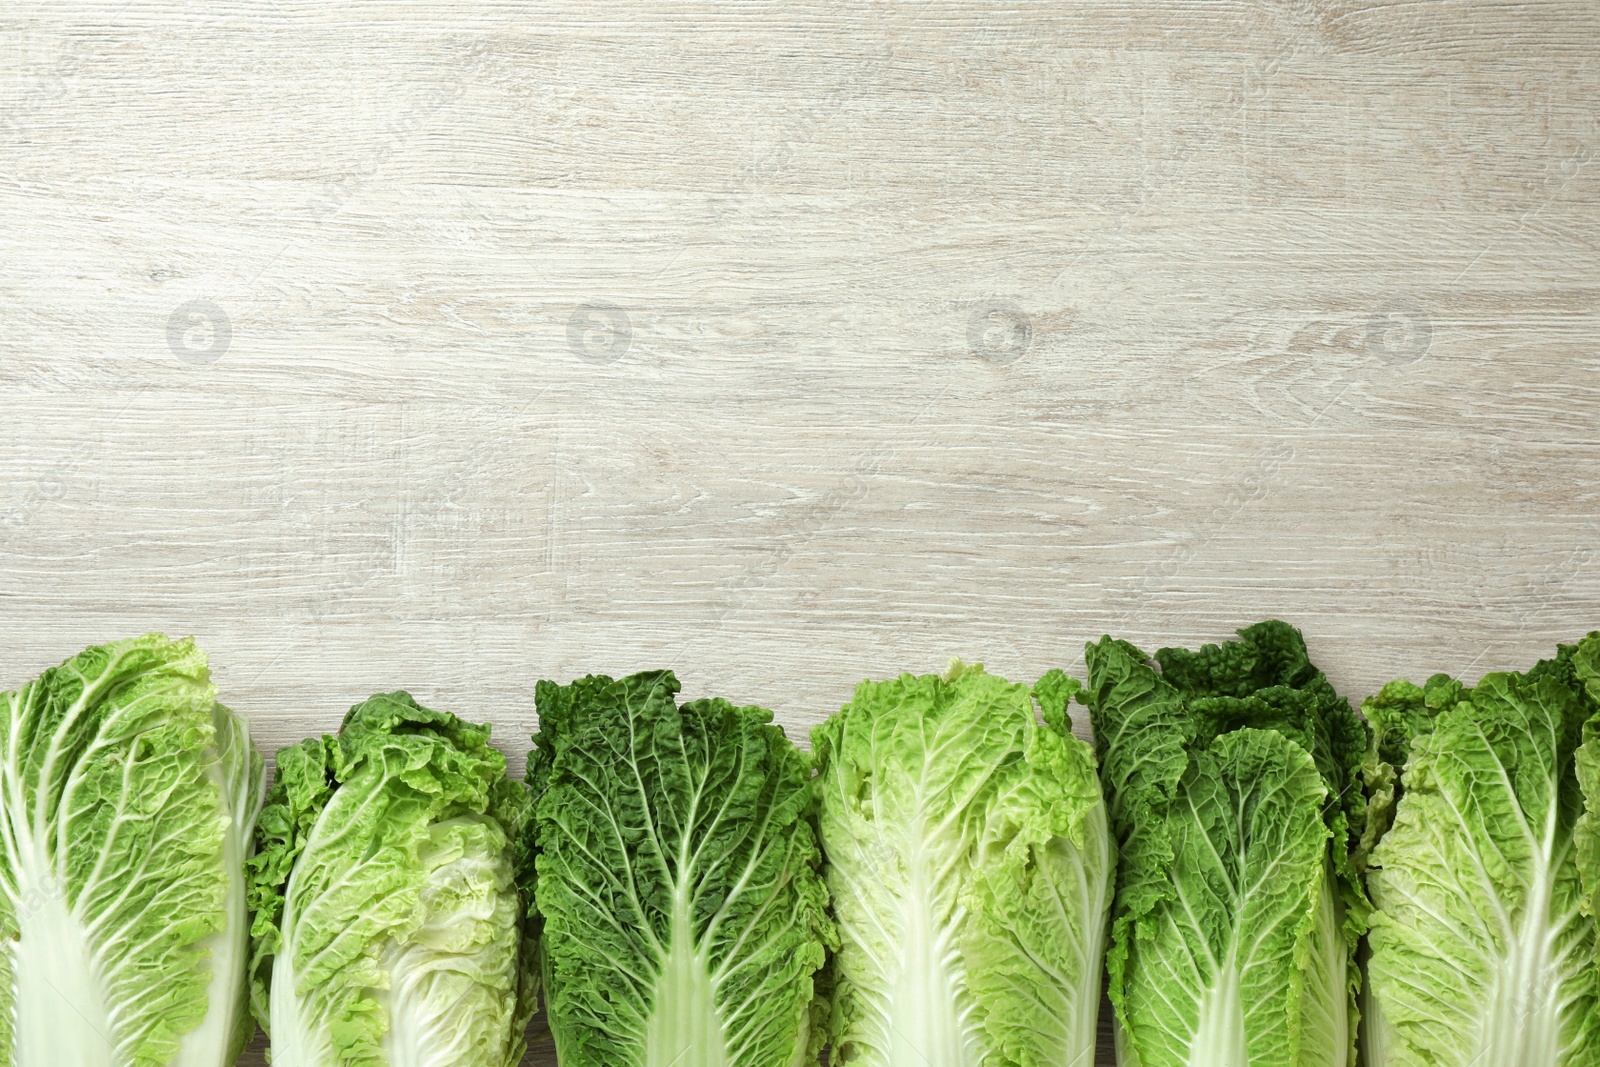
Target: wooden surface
{"type": "Point", "coordinates": [451, 346]}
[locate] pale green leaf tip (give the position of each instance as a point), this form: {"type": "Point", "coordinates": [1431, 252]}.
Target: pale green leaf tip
{"type": "Point", "coordinates": [957, 668]}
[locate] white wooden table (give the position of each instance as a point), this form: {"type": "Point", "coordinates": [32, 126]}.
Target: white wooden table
{"type": "Point", "coordinates": [450, 346]}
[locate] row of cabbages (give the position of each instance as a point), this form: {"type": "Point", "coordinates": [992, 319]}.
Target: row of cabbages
{"type": "Point", "coordinates": [934, 886]}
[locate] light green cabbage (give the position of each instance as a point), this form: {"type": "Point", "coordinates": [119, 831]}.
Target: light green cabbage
{"type": "Point", "coordinates": [389, 926]}
{"type": "Point", "coordinates": [684, 916]}
{"type": "Point", "coordinates": [1230, 774]}
{"type": "Point", "coordinates": [127, 799]}
{"type": "Point", "coordinates": [1584, 661]}
{"type": "Point", "coordinates": [1483, 945]}
{"type": "Point", "coordinates": [970, 866]}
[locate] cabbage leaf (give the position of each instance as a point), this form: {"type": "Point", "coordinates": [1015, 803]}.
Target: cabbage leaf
{"type": "Point", "coordinates": [971, 870]}
{"type": "Point", "coordinates": [389, 926]}
{"type": "Point", "coordinates": [1483, 943]}
{"type": "Point", "coordinates": [684, 918]}
{"type": "Point", "coordinates": [127, 801]}
{"type": "Point", "coordinates": [1231, 776]}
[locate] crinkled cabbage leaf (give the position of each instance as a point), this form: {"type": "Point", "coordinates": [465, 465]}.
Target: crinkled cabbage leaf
{"type": "Point", "coordinates": [677, 879]}
{"type": "Point", "coordinates": [971, 871]}
{"type": "Point", "coordinates": [1483, 942]}
{"type": "Point", "coordinates": [127, 801]}
{"type": "Point", "coordinates": [389, 928]}
{"type": "Point", "coordinates": [1231, 775]}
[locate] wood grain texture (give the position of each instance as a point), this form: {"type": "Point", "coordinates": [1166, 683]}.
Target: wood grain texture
{"type": "Point", "coordinates": [939, 328]}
